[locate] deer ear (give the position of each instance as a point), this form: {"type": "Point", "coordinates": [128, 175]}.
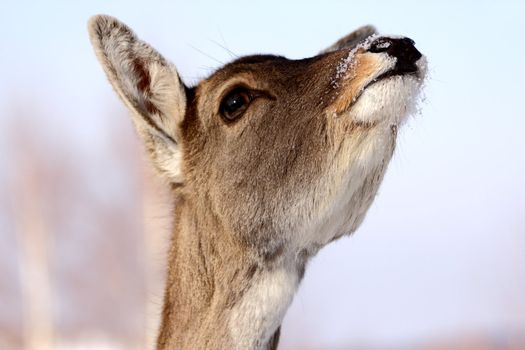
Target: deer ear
{"type": "Point", "coordinates": [352, 39]}
{"type": "Point", "coordinates": [148, 85]}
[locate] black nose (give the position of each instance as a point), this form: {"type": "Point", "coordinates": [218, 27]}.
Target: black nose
{"type": "Point", "coordinates": [403, 49]}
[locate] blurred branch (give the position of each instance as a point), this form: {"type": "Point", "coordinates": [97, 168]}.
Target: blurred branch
{"type": "Point", "coordinates": [32, 236]}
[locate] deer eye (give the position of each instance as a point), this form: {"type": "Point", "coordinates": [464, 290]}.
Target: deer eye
{"type": "Point", "coordinates": [235, 104]}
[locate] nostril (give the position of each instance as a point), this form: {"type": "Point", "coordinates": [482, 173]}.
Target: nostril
{"type": "Point", "coordinates": [403, 49]}
{"type": "Point", "coordinates": [381, 45]}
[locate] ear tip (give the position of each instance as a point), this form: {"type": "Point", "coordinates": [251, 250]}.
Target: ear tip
{"type": "Point", "coordinates": [100, 23]}
{"type": "Point", "coordinates": [101, 26]}
{"type": "Point", "coordinates": [368, 29]}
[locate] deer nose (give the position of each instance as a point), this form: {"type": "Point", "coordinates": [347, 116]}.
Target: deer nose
{"type": "Point", "coordinates": [403, 49]}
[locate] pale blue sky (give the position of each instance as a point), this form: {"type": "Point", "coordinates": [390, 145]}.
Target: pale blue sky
{"type": "Point", "coordinates": [442, 249]}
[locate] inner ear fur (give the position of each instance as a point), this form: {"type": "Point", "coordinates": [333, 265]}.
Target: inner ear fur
{"type": "Point", "coordinates": [149, 86]}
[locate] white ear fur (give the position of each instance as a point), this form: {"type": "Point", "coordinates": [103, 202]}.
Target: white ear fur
{"type": "Point", "coordinates": [148, 84]}
{"type": "Point", "coordinates": [351, 40]}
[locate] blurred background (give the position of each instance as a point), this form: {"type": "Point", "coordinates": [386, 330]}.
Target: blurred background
{"type": "Point", "coordinates": [439, 263]}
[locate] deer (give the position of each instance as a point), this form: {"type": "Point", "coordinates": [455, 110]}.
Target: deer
{"type": "Point", "coordinates": [267, 160]}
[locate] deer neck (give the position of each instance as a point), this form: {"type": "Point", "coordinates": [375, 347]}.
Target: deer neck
{"type": "Point", "coordinates": [221, 294]}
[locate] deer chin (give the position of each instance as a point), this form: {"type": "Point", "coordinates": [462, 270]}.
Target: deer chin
{"type": "Point", "coordinates": [389, 99]}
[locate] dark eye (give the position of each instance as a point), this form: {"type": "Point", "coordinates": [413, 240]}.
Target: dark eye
{"type": "Point", "coordinates": [235, 104]}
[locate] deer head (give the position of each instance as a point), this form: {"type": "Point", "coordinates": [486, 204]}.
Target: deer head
{"type": "Point", "coordinates": [269, 158]}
